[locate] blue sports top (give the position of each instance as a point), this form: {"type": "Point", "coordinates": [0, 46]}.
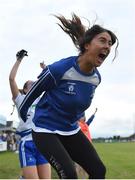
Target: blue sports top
{"type": "Point", "coordinates": [68, 92]}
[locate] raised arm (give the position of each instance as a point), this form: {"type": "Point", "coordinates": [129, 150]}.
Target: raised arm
{"type": "Point", "coordinates": [91, 118]}
{"type": "Point", "coordinates": [12, 76]}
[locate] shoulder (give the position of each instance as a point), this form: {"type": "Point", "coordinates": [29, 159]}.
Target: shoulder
{"type": "Point", "coordinates": [58, 68]}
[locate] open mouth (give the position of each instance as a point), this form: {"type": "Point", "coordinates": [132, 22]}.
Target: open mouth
{"type": "Point", "coordinates": [102, 56]}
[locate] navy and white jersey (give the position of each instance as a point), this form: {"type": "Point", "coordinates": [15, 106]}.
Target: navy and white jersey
{"type": "Point", "coordinates": [24, 128]}
{"type": "Point", "coordinates": [68, 92]}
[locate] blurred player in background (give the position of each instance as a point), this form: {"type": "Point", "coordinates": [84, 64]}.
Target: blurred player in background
{"type": "Point", "coordinates": [33, 164]}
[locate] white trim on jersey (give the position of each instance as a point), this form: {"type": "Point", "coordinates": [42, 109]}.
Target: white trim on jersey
{"type": "Point", "coordinates": [65, 133]}
{"type": "Point", "coordinates": [72, 74]}
{"type": "Point", "coordinates": [23, 153]}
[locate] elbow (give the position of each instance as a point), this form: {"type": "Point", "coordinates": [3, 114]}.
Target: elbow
{"type": "Point", "coordinates": [11, 82]}
{"type": "Point", "coordinates": [11, 79]}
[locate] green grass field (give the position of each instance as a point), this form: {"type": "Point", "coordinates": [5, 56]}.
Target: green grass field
{"type": "Point", "coordinates": [119, 159]}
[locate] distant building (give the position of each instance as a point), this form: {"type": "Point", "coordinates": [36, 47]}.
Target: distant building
{"type": "Point", "coordinates": [132, 137]}
{"type": "Point", "coordinates": [7, 127]}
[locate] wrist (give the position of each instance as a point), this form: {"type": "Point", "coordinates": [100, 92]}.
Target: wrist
{"type": "Point", "coordinates": [19, 59]}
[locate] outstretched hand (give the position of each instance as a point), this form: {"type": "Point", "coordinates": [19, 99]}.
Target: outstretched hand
{"type": "Point", "coordinates": [20, 54]}
{"type": "Point", "coordinates": [42, 65]}
{"type": "Point", "coordinates": [95, 110]}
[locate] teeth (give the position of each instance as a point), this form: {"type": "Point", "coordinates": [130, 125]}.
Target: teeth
{"type": "Point", "coordinates": [102, 55]}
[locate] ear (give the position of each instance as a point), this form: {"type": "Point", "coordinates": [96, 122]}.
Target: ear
{"type": "Point", "coordinates": [86, 46]}
{"type": "Point", "coordinates": [25, 90]}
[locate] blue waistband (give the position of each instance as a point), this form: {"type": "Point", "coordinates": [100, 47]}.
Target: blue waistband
{"type": "Point", "coordinates": [24, 133]}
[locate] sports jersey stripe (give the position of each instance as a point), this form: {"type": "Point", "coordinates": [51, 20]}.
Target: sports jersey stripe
{"type": "Point", "coordinates": [24, 133]}
{"type": "Point", "coordinates": [52, 77]}
{"type": "Point", "coordinates": [34, 87]}
{"type": "Point", "coordinates": [43, 73]}
{"type": "Point", "coordinates": [72, 74]}
{"type": "Point", "coordinates": [23, 153]}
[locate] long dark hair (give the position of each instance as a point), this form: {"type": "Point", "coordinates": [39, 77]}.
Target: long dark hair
{"type": "Point", "coordinates": [80, 35]}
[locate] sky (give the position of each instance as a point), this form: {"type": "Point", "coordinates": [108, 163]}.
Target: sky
{"type": "Point", "coordinates": [30, 25]}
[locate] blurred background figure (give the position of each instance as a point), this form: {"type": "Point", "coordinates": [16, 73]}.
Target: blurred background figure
{"type": "Point", "coordinates": [84, 124]}
{"type": "Point", "coordinates": [33, 164]}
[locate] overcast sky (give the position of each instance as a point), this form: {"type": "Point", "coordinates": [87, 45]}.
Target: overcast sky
{"type": "Point", "coordinates": [29, 24]}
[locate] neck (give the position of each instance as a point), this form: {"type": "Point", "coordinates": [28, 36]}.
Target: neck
{"type": "Point", "coordinates": [85, 66]}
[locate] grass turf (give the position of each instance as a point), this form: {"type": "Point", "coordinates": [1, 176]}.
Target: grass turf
{"type": "Point", "coordinates": [119, 159]}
